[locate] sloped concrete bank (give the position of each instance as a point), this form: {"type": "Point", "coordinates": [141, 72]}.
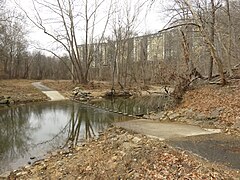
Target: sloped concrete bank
{"type": "Point", "coordinates": [52, 94]}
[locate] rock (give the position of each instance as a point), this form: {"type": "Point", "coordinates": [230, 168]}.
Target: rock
{"type": "Point", "coordinates": [54, 153]}
{"type": "Point", "coordinates": [80, 95]}
{"type": "Point", "coordinates": [28, 167]}
{"type": "Point", "coordinates": [109, 94]}
{"type": "Point", "coordinates": [140, 115]}
{"type": "Point", "coordinates": [21, 173]}
{"type": "Point", "coordinates": [145, 116]}
{"type": "Point", "coordinates": [125, 93]}
{"type": "Point", "coordinates": [129, 136]}
{"type": "Point", "coordinates": [189, 112]}
{"type": "Point", "coordinates": [114, 158]}
{"type": "Point", "coordinates": [127, 145]}
{"type": "Point", "coordinates": [88, 168]}
{"type": "Point", "coordinates": [5, 175]}
{"type": "Point", "coordinates": [173, 116]}
{"type": "Point", "coordinates": [6, 100]}
{"type": "Point", "coordinates": [160, 115]}
{"type": "Point", "coordinates": [136, 140]}
{"type": "Point", "coordinates": [123, 138]}
{"type": "Point", "coordinates": [82, 99]}
{"type": "Point", "coordinates": [216, 113]}
{"type": "Point", "coordinates": [200, 117]}
{"type": "Point", "coordinates": [169, 113]}
{"type": "Point", "coordinates": [237, 123]}
{"type": "Point", "coordinates": [112, 165]}
{"type": "Point", "coordinates": [76, 90]}
{"type": "Point", "coordinates": [59, 163]}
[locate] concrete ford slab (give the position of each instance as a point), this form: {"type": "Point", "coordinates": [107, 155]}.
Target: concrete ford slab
{"type": "Point", "coordinates": [52, 94]}
{"type": "Point", "coordinates": [164, 130]}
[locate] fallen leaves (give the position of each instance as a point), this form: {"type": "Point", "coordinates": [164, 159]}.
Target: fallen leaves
{"type": "Point", "coordinates": [209, 98]}
{"type": "Point", "coordinates": [119, 154]}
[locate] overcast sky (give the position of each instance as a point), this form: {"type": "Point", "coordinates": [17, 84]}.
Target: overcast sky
{"type": "Point", "coordinates": [150, 20]}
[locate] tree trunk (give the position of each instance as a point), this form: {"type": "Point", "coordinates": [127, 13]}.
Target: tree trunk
{"type": "Point", "coordinates": [212, 35]}
{"type": "Point", "coordinates": [229, 48]}
{"type": "Point", "coordinates": [186, 52]}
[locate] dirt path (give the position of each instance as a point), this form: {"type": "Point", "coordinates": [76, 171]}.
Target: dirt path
{"type": "Point", "coordinates": [52, 94]}
{"type": "Point", "coordinates": [41, 87]}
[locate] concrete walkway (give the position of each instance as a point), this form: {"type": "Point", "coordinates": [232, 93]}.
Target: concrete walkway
{"type": "Point", "coordinates": [52, 94]}
{"type": "Point", "coordinates": [164, 131]}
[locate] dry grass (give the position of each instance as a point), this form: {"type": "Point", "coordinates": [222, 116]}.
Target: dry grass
{"type": "Point", "coordinates": [21, 91]}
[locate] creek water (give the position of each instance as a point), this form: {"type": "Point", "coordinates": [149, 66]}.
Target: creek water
{"type": "Point", "coordinates": [29, 131]}
{"type": "Point", "coordinates": [134, 106]}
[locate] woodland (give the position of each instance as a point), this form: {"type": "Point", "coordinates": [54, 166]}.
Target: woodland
{"type": "Point", "coordinates": [200, 40]}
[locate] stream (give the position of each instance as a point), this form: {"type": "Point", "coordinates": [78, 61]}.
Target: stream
{"type": "Point", "coordinates": [29, 131]}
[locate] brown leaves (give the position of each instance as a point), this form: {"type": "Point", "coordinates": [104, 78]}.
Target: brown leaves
{"type": "Point", "coordinates": [210, 97]}
{"type": "Point", "coordinates": [121, 155]}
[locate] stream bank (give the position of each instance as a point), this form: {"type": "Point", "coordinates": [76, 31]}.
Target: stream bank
{"type": "Point", "coordinates": [120, 154]}
{"type": "Point", "coordinates": [198, 102]}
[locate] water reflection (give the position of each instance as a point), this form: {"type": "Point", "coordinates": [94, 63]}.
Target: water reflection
{"type": "Point", "coordinates": [86, 122]}
{"type": "Point", "coordinates": [32, 130]}
{"type": "Point", "coordinates": [135, 106]}
{"type": "Point", "coordinates": [15, 131]}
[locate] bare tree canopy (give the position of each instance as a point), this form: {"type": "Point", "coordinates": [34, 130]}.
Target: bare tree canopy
{"type": "Point", "coordinates": [68, 18]}
{"type": "Point", "coordinates": [100, 40]}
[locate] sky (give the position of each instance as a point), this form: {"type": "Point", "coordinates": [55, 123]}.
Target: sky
{"type": "Point", "coordinates": [149, 20]}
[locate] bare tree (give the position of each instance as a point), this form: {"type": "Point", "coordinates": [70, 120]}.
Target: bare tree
{"type": "Point", "coordinates": [124, 26]}
{"type": "Point", "coordinates": [13, 44]}
{"type": "Point", "coordinates": [225, 26]}
{"type": "Point", "coordinates": [2, 7]}
{"type": "Point", "coordinates": [70, 18]}
{"type": "Point", "coordinates": [203, 18]}
{"type": "Point", "coordinates": [229, 38]}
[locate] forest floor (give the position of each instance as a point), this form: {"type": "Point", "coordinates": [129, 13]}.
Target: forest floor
{"type": "Point", "coordinates": [221, 106]}
{"type": "Point", "coordinates": [120, 154]}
